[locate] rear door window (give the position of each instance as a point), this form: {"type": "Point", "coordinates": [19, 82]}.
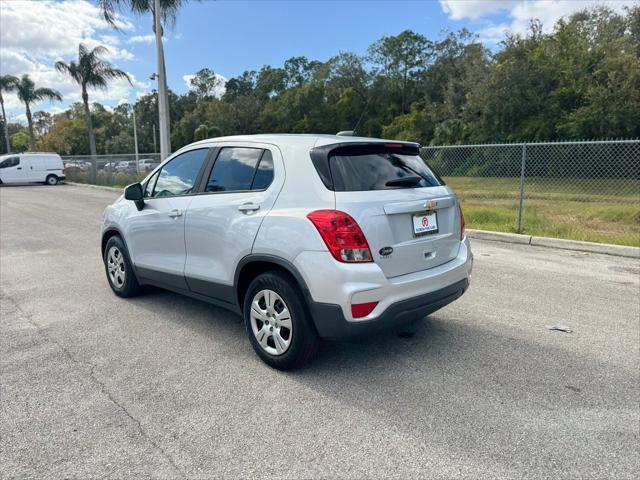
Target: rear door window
{"type": "Point", "coordinates": [234, 169]}
{"type": "Point", "coordinates": [363, 168]}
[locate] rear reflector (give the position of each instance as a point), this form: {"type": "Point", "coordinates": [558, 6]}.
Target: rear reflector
{"type": "Point", "coordinates": [359, 310]}
{"type": "Point", "coordinates": [342, 235]}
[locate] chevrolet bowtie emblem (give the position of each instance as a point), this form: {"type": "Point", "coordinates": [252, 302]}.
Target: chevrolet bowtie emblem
{"type": "Point", "coordinates": [431, 204]}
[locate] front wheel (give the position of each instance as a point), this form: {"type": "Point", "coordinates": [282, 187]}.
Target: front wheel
{"type": "Point", "coordinates": [117, 264]}
{"type": "Point", "coordinates": [277, 322]}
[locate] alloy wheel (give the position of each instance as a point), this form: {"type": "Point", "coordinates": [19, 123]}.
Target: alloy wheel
{"type": "Point", "coordinates": [271, 322]}
{"type": "Point", "coordinates": [115, 267]}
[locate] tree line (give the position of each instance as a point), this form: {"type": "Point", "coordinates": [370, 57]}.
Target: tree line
{"type": "Point", "coordinates": [579, 81]}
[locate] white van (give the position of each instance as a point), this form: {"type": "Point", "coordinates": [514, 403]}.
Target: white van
{"type": "Point", "coordinates": [44, 168]}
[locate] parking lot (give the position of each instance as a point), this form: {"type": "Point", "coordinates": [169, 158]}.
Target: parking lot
{"type": "Point", "coordinates": [93, 385]}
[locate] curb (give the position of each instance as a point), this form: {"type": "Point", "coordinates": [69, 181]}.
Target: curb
{"type": "Point", "coordinates": [558, 243]}
{"type": "Point", "coordinates": [97, 187]}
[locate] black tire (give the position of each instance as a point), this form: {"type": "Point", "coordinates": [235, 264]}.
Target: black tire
{"type": "Point", "coordinates": [304, 341]}
{"type": "Point", "coordinates": [51, 180]}
{"type": "Point", "coordinates": [130, 286]}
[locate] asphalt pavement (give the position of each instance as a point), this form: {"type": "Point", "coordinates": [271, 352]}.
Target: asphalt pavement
{"type": "Point", "coordinates": [163, 386]}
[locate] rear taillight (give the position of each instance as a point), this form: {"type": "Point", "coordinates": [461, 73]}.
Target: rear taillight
{"type": "Point", "coordinates": [461, 222]}
{"type": "Point", "coordinates": [359, 310]}
{"type": "Point", "coordinates": [342, 235]}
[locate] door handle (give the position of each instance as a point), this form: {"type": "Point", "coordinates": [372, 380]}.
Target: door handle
{"type": "Point", "coordinates": [175, 213]}
{"type": "Point", "coordinates": [248, 207]}
{"type": "Point", "coordinates": [19, 168]}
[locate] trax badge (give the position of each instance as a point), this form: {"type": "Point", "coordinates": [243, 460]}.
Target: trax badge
{"type": "Point", "coordinates": [431, 204]}
{"type": "Point", "coordinates": [385, 251]}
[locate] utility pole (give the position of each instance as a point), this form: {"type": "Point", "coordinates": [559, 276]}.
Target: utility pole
{"type": "Point", "coordinates": [5, 124]}
{"type": "Point", "coordinates": [155, 146]}
{"type": "Point", "coordinates": [135, 138]}
{"type": "Point", "coordinates": [163, 99]}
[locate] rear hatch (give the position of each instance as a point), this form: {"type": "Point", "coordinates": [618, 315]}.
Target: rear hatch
{"type": "Point", "coordinates": [408, 216]}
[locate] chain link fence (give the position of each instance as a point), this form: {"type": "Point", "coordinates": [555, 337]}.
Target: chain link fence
{"type": "Point", "coordinates": [587, 190]}
{"type": "Point", "coordinates": [111, 170]}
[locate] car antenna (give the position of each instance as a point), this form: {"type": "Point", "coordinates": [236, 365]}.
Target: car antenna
{"type": "Point", "coordinates": [362, 114]}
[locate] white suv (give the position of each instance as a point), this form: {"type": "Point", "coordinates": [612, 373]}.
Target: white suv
{"type": "Point", "coordinates": [305, 236]}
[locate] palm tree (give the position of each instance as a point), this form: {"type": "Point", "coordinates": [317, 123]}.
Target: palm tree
{"type": "Point", "coordinates": [7, 84]}
{"type": "Point", "coordinates": [28, 94]}
{"type": "Point", "coordinates": [90, 71]}
{"type": "Point", "coordinates": [168, 10]}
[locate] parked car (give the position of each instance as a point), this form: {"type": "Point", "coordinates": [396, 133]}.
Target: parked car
{"type": "Point", "coordinates": [125, 167]}
{"type": "Point", "coordinates": [147, 164]}
{"type": "Point", "coordinates": [31, 167]}
{"type": "Point", "coordinates": [77, 165]}
{"type": "Point", "coordinates": [359, 235]}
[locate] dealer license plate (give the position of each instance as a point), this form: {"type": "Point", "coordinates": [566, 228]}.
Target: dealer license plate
{"type": "Point", "coordinates": [425, 223]}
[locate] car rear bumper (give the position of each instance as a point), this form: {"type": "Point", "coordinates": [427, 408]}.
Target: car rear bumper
{"type": "Point", "coordinates": [334, 286]}
{"type": "Point", "coordinates": [331, 323]}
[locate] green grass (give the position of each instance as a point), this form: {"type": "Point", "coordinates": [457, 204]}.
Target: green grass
{"type": "Point", "coordinates": [107, 179]}
{"type": "Point", "coordinates": [606, 211]}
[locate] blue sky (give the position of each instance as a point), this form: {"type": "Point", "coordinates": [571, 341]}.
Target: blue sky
{"type": "Point", "coordinates": [232, 36]}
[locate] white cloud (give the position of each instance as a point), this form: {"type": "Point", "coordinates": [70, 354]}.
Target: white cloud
{"type": "Point", "coordinates": [51, 29]}
{"type": "Point", "coordinates": [516, 14]}
{"type": "Point", "coordinates": [220, 89]}
{"type": "Point", "coordinates": [459, 9]}
{"type": "Point", "coordinates": [142, 38]}
{"type": "Point", "coordinates": [16, 117]}
{"type": "Point", "coordinates": [110, 39]}
{"type": "Point", "coordinates": [34, 35]}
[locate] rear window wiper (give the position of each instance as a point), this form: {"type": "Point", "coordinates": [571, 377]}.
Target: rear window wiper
{"type": "Point", "coordinates": [408, 181]}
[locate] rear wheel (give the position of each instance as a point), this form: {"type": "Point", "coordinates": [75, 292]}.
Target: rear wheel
{"type": "Point", "coordinates": [118, 267]}
{"type": "Point", "coordinates": [277, 322]}
{"type": "Point", "coordinates": [51, 180]}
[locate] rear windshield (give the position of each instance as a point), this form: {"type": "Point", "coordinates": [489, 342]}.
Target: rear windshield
{"type": "Point", "coordinates": [355, 170]}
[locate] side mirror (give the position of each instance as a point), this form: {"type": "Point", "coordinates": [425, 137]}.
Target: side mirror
{"type": "Point", "coordinates": [134, 193]}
